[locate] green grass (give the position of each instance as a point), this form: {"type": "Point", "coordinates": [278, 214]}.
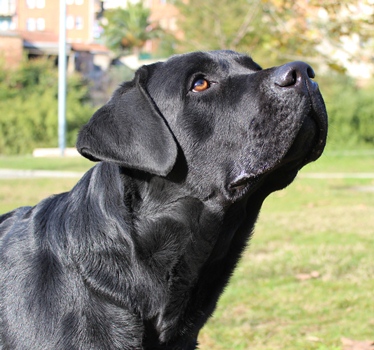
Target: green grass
{"type": "Point", "coordinates": [21, 192]}
{"type": "Point", "coordinates": [321, 228]}
{"type": "Point", "coordinates": [343, 161]}
{"type": "Point", "coordinates": [61, 164]}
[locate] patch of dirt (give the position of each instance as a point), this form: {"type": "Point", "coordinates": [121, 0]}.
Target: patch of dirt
{"type": "Point", "coordinates": [349, 344]}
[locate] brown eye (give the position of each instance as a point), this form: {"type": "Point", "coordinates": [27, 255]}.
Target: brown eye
{"type": "Point", "coordinates": [200, 85]}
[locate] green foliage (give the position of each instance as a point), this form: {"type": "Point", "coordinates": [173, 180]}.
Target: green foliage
{"type": "Point", "coordinates": [127, 29]}
{"type": "Point", "coordinates": [209, 25]}
{"type": "Point", "coordinates": [351, 112]}
{"type": "Point", "coordinates": [29, 107]}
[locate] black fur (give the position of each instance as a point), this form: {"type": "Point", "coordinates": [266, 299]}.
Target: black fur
{"type": "Point", "coordinates": [136, 255]}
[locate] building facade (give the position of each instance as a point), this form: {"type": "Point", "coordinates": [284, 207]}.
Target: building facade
{"type": "Point", "coordinates": [36, 24]}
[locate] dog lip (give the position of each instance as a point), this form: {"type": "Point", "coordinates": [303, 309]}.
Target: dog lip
{"type": "Point", "coordinates": [319, 116]}
{"type": "Point", "coordinates": [242, 185]}
{"type": "Point", "coordinates": [316, 151]}
{"type": "Point", "coordinates": [240, 181]}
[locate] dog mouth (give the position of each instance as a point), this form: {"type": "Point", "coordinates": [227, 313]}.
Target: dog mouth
{"type": "Point", "coordinates": [319, 116]}
{"type": "Point", "coordinates": [307, 146]}
{"type": "Point", "coordinates": [310, 141]}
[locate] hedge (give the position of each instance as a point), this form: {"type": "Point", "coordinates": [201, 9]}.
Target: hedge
{"type": "Point", "coordinates": [29, 107]}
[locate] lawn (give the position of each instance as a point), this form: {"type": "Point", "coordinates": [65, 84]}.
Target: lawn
{"type": "Point", "coordinates": [61, 164]}
{"type": "Point", "coordinates": [307, 279]}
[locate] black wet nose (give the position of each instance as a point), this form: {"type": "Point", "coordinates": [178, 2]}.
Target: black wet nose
{"type": "Point", "coordinates": [293, 74]}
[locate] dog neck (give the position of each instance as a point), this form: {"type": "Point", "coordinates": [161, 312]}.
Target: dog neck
{"type": "Point", "coordinates": [160, 228]}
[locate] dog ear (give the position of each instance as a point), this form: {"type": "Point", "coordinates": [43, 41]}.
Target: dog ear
{"type": "Point", "coordinates": [130, 131]}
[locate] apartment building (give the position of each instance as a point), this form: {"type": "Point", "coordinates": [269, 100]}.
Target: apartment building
{"type": "Point", "coordinates": [42, 16]}
{"type": "Point", "coordinates": [33, 26]}
{"type": "Point", "coordinates": [11, 47]}
{"type": "Point", "coordinates": [7, 12]}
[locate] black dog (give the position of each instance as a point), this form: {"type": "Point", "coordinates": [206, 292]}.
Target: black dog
{"type": "Point", "coordinates": [136, 255]}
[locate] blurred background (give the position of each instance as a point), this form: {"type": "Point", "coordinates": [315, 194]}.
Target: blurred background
{"type": "Point", "coordinates": [307, 280]}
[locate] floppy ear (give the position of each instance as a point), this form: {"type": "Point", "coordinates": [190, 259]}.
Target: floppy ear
{"type": "Point", "coordinates": [130, 131]}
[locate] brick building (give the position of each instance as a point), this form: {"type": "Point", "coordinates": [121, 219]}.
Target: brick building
{"type": "Point", "coordinates": [42, 16]}
{"type": "Point", "coordinates": [35, 23]}
{"type": "Point", "coordinates": [11, 48]}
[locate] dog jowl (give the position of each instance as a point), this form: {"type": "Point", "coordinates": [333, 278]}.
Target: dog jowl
{"type": "Point", "coordinates": [136, 255]}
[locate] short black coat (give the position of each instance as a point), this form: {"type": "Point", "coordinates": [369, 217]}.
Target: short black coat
{"type": "Point", "coordinates": [136, 255]}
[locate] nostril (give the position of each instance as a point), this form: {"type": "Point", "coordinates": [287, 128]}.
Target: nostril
{"type": "Point", "coordinates": [310, 72]}
{"type": "Point", "coordinates": [291, 74]}
{"type": "Point", "coordinates": [293, 77]}
{"type": "Point", "coordinates": [287, 78]}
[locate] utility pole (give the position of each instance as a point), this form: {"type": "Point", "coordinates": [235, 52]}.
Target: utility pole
{"type": "Point", "coordinates": [62, 80]}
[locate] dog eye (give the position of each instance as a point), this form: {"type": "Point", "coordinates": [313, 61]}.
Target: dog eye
{"type": "Point", "coordinates": [200, 85]}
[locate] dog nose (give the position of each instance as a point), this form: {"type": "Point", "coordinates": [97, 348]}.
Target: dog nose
{"type": "Point", "coordinates": [293, 74]}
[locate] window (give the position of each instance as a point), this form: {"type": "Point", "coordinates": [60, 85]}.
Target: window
{"type": "Point", "coordinates": [79, 22]}
{"type": "Point", "coordinates": [70, 22]}
{"type": "Point", "coordinates": [40, 24]}
{"type": "Point", "coordinates": [79, 2]}
{"type": "Point", "coordinates": [4, 24]}
{"type": "Point", "coordinates": [7, 8]}
{"type": "Point", "coordinates": [30, 4]}
{"type": "Point", "coordinates": [69, 2]}
{"type": "Point", "coordinates": [40, 4]}
{"type": "Point", "coordinates": [31, 24]}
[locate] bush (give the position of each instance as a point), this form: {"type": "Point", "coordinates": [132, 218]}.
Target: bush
{"type": "Point", "coordinates": [351, 112]}
{"type": "Point", "coordinates": [29, 107]}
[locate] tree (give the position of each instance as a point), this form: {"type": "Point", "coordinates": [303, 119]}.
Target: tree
{"type": "Point", "coordinates": [280, 30]}
{"type": "Point", "coordinates": [223, 24]}
{"type": "Point", "coordinates": [127, 29]}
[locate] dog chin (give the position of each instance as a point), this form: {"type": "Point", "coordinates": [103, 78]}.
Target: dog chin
{"type": "Point", "coordinates": [306, 147]}
{"type": "Point", "coordinates": [305, 143]}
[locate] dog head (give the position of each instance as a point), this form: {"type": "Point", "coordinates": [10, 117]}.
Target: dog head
{"type": "Point", "coordinates": [232, 123]}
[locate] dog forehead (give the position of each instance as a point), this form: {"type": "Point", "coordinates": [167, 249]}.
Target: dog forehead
{"type": "Point", "coordinates": [233, 60]}
{"type": "Point", "coordinates": [218, 62]}
{"type": "Point", "coordinates": [173, 73]}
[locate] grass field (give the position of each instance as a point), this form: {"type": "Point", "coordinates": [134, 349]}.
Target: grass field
{"type": "Point", "coordinates": [307, 279]}
{"type": "Point", "coordinates": [29, 162]}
